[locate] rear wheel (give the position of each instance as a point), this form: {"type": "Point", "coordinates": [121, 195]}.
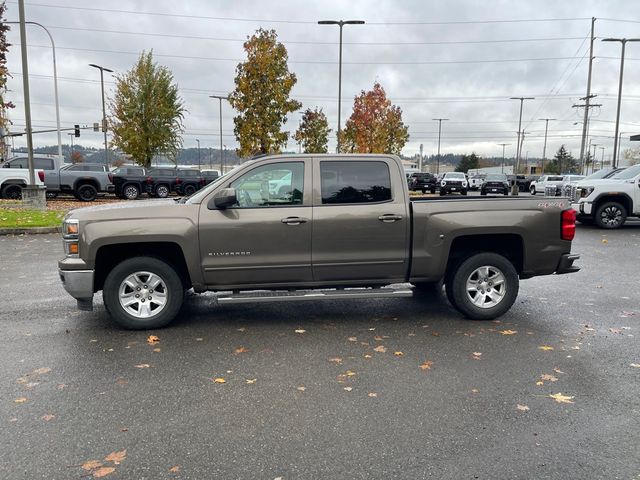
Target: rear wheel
{"type": "Point", "coordinates": [143, 293]}
{"type": "Point", "coordinates": [162, 191]}
{"type": "Point", "coordinates": [189, 190]}
{"type": "Point", "coordinates": [482, 192]}
{"type": "Point", "coordinates": [433, 190]}
{"type": "Point", "coordinates": [610, 215]}
{"type": "Point", "coordinates": [484, 286]}
{"type": "Point", "coordinates": [442, 192]}
{"type": "Point", "coordinates": [463, 192]}
{"type": "Point", "coordinates": [131, 192]}
{"type": "Point", "coordinates": [12, 192]}
{"type": "Point", "coordinates": [532, 190]}
{"type": "Point", "coordinates": [86, 193]}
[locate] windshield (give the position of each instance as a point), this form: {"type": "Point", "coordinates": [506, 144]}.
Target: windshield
{"type": "Point", "coordinates": [496, 178]}
{"type": "Point", "coordinates": [602, 173]}
{"type": "Point", "coordinates": [454, 175]}
{"type": "Point", "coordinates": [629, 173]}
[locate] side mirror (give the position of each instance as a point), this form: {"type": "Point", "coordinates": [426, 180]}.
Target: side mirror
{"type": "Point", "coordinates": [223, 199]}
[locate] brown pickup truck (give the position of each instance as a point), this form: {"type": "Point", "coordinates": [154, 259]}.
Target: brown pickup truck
{"type": "Point", "coordinates": [306, 227]}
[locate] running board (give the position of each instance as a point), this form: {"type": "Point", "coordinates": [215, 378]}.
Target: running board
{"type": "Point", "coordinates": [302, 295]}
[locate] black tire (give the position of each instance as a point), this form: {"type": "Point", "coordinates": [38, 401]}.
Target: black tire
{"type": "Point", "coordinates": [585, 220]}
{"type": "Point", "coordinates": [506, 191]}
{"type": "Point", "coordinates": [463, 192]}
{"type": "Point", "coordinates": [172, 285]}
{"type": "Point", "coordinates": [12, 192]}
{"type": "Point", "coordinates": [424, 191]}
{"type": "Point", "coordinates": [532, 190]}
{"type": "Point", "coordinates": [162, 191]}
{"type": "Point", "coordinates": [443, 192]}
{"type": "Point", "coordinates": [482, 192]}
{"type": "Point", "coordinates": [51, 195]}
{"type": "Point", "coordinates": [86, 193]}
{"type": "Point", "coordinates": [130, 191]}
{"type": "Point", "coordinates": [469, 270]}
{"type": "Point", "coordinates": [433, 190]}
{"type": "Point", "coordinates": [610, 215]}
{"type": "Point", "coordinates": [189, 190]}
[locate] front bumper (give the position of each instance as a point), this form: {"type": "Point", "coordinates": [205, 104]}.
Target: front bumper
{"type": "Point", "coordinates": [583, 208]}
{"type": "Point", "coordinates": [566, 264]}
{"type": "Point", "coordinates": [79, 284]}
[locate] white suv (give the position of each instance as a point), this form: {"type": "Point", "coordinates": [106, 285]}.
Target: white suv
{"type": "Point", "coordinates": [539, 185]}
{"type": "Point", "coordinates": [609, 202]}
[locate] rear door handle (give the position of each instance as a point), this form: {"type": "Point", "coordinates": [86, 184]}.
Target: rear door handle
{"type": "Point", "coordinates": [389, 218]}
{"type": "Point", "coordinates": [294, 220]}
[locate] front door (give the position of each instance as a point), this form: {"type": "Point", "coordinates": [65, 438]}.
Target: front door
{"type": "Point", "coordinates": [265, 239]}
{"type": "Point", "coordinates": [360, 221]}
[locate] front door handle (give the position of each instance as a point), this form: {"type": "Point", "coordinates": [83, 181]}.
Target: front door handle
{"type": "Point", "coordinates": [294, 220]}
{"type": "Point", "coordinates": [389, 218]}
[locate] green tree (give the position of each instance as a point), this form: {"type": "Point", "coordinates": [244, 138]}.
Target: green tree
{"type": "Point", "coordinates": [375, 126]}
{"type": "Point", "coordinates": [563, 162]}
{"type": "Point", "coordinates": [313, 132]}
{"type": "Point", "coordinates": [147, 112]}
{"type": "Point", "coordinates": [263, 84]}
{"type": "Point", "coordinates": [468, 162]}
{"type": "Point", "coordinates": [632, 155]}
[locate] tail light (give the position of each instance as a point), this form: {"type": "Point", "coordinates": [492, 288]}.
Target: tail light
{"type": "Point", "coordinates": [149, 180]}
{"type": "Point", "coordinates": [568, 229]}
{"type": "Point", "coordinates": [178, 181]}
{"type": "Point", "coordinates": [41, 175]}
{"type": "Point", "coordinates": [110, 176]}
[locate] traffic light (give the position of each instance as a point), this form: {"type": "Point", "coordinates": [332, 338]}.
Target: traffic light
{"type": "Point", "coordinates": [76, 131]}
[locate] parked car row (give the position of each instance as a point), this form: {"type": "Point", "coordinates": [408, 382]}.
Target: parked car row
{"type": "Point", "coordinates": [130, 182]}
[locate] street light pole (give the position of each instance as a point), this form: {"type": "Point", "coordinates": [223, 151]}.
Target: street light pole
{"type": "Point", "coordinates": [514, 187]}
{"type": "Point", "coordinates": [104, 112]}
{"type": "Point", "coordinates": [623, 41]}
{"type": "Point", "coordinates": [503, 145]}
{"type": "Point", "coordinates": [340, 23]}
{"type": "Point", "coordinates": [544, 148]}
{"type": "Point", "coordinates": [593, 158]}
{"type": "Point", "coordinates": [197, 140]}
{"type": "Point", "coordinates": [220, 98]}
{"type": "Point", "coordinates": [439, 120]}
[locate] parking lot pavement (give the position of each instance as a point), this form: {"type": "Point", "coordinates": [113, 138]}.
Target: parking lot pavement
{"type": "Point", "coordinates": [399, 388]}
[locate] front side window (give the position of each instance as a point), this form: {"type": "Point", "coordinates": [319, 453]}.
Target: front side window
{"type": "Point", "coordinates": [18, 163]}
{"type": "Point", "coordinates": [354, 182]}
{"type": "Point", "coordinates": [272, 185]}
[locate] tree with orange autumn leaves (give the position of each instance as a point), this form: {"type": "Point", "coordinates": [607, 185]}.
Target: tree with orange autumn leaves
{"type": "Point", "coordinates": [375, 126]}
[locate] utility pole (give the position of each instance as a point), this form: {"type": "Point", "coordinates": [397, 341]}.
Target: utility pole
{"type": "Point", "coordinates": [544, 148]}
{"type": "Point", "coordinates": [198, 141]}
{"type": "Point", "coordinates": [340, 23]}
{"type": "Point", "coordinates": [439, 120]}
{"type": "Point", "coordinates": [503, 145]}
{"type": "Point", "coordinates": [220, 98]}
{"type": "Point", "coordinates": [514, 187]}
{"type": "Point", "coordinates": [104, 111]}
{"type": "Point", "coordinates": [588, 96]}
{"type": "Point", "coordinates": [420, 160]}
{"type": "Point", "coordinates": [623, 41]}
{"type": "Point", "coordinates": [585, 124]}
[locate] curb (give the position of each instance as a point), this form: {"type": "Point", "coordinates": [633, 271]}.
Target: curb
{"type": "Point", "coordinates": [29, 231]}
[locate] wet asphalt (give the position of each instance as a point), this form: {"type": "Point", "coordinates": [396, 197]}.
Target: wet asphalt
{"type": "Point", "coordinates": [445, 398]}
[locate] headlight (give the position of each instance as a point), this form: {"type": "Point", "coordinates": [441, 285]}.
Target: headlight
{"type": "Point", "coordinates": [585, 191]}
{"type": "Point", "coordinates": [443, 183]}
{"type": "Point", "coordinates": [70, 236]}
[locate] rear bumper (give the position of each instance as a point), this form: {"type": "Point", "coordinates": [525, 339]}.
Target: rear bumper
{"type": "Point", "coordinates": [566, 264]}
{"type": "Point", "coordinates": [79, 284]}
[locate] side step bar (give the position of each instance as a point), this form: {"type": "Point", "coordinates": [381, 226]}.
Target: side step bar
{"type": "Point", "coordinates": [302, 295]}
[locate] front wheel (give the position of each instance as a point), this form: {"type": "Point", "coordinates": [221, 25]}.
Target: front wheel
{"type": "Point", "coordinates": [86, 193]}
{"type": "Point", "coordinates": [482, 192]}
{"type": "Point", "coordinates": [443, 192]}
{"type": "Point", "coordinates": [143, 293]}
{"type": "Point", "coordinates": [463, 192]}
{"type": "Point", "coordinates": [189, 190]}
{"type": "Point", "coordinates": [610, 215]}
{"type": "Point", "coordinates": [532, 190]}
{"type": "Point", "coordinates": [484, 286]}
{"type": "Point", "coordinates": [131, 192]}
{"type": "Point", "coordinates": [12, 192]}
{"type": "Point", "coordinates": [162, 191]}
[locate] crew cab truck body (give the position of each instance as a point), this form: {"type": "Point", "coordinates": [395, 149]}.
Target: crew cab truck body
{"type": "Point", "coordinates": [345, 223]}
{"type": "Point", "coordinates": [83, 180]}
{"type": "Point", "coordinates": [12, 181]}
{"type": "Point", "coordinates": [609, 202]}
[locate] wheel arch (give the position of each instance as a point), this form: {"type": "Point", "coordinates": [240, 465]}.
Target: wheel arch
{"type": "Point", "coordinates": [85, 181]}
{"type": "Point", "coordinates": [510, 246]}
{"type": "Point", "coordinates": [621, 198]}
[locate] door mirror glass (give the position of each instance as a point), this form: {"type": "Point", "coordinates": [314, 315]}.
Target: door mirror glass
{"type": "Point", "coordinates": [223, 199]}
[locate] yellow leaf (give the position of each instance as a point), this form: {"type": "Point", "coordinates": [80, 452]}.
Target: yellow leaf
{"type": "Point", "coordinates": [116, 457]}
{"type": "Point", "coordinates": [349, 373]}
{"type": "Point", "coordinates": [539, 383]}
{"type": "Point", "coordinates": [380, 349]}
{"type": "Point", "coordinates": [251, 381]}
{"type": "Point", "coordinates": [522, 408]}
{"type": "Point", "coordinates": [240, 350]}
{"type": "Point", "coordinates": [336, 360]}
{"type": "Point", "coordinates": [42, 370]}
{"type": "Point", "coordinates": [143, 365]}
{"type": "Point", "coordinates": [604, 240]}
{"type": "Point", "coordinates": [545, 348]}
{"type": "Point", "coordinates": [474, 390]}
{"type": "Point", "coordinates": [353, 339]}
{"type": "Point", "coordinates": [91, 465]}
{"type": "Point", "coordinates": [302, 388]}
{"type": "Point", "coordinates": [548, 377]}
{"type": "Point", "coordinates": [398, 354]}
{"type": "Point", "coordinates": [367, 355]}
{"type": "Point", "coordinates": [378, 338]}
{"type": "Point", "coordinates": [103, 472]}
{"type": "Point", "coordinates": [47, 417]}
{"type": "Point", "coordinates": [175, 469]}
{"type": "Point", "coordinates": [372, 394]}
{"type": "Point", "coordinates": [426, 365]}
{"type": "Point", "coordinates": [152, 340]}
{"type": "Point", "coordinates": [558, 397]}
{"type": "Point", "coordinates": [219, 380]}
{"type": "Point", "coordinates": [20, 400]}
{"type": "Point", "coordinates": [508, 332]}
{"type": "Point", "coordinates": [157, 350]}
{"type": "Point", "coordinates": [300, 330]}
{"type": "Point", "coordinates": [635, 365]}
{"type": "Point", "coordinates": [348, 389]}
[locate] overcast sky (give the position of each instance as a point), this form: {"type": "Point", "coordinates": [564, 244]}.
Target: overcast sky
{"type": "Point", "coordinates": [464, 70]}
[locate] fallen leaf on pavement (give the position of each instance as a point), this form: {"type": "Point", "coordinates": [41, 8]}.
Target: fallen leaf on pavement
{"type": "Point", "coordinates": [175, 469]}
{"type": "Point", "coordinates": [199, 339]}
{"type": "Point", "coordinates": [348, 389]}
{"type": "Point", "coordinates": [380, 349]}
{"type": "Point", "coordinates": [40, 371]}
{"type": "Point", "coordinates": [635, 365]}
{"type": "Point", "coordinates": [548, 377]}
{"type": "Point", "coordinates": [545, 348]}
{"type": "Point", "coordinates": [302, 388]}
{"type": "Point", "coordinates": [604, 240]}
{"type": "Point", "coordinates": [152, 340]}
{"type": "Point", "coordinates": [300, 330]}
{"type": "Point", "coordinates": [539, 383]}
{"type": "Point", "coordinates": [477, 355]}
{"type": "Point", "coordinates": [103, 472]}
{"type": "Point", "coordinates": [251, 381]}
{"type": "Point", "coordinates": [116, 457]}
{"type": "Point", "coordinates": [349, 373]}
{"type": "Point", "coordinates": [219, 380]}
{"type": "Point", "coordinates": [615, 330]}
{"type": "Point", "coordinates": [426, 365]}
{"type": "Point", "coordinates": [336, 360]}
{"type": "Point", "coordinates": [157, 350]}
{"type": "Point", "coordinates": [474, 390]}
{"type": "Point", "coordinates": [372, 394]}
{"type": "Point", "coordinates": [508, 332]}
{"type": "Point", "coordinates": [367, 355]}
{"type": "Point", "coordinates": [91, 465]}
{"type": "Point", "coordinates": [143, 365]}
{"type": "Point", "coordinates": [558, 397]}
{"type": "Point", "coordinates": [47, 417]}
{"type": "Point", "coordinates": [240, 350]}
{"type": "Point", "coordinates": [353, 339]}
{"type": "Point", "coordinates": [557, 370]}
{"type": "Point", "coordinates": [398, 354]}
{"type": "Point", "coordinates": [20, 400]}
{"type": "Point", "coordinates": [522, 408]}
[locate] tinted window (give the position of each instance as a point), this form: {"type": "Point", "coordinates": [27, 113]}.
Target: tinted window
{"type": "Point", "coordinates": [18, 163]}
{"type": "Point", "coordinates": [189, 173]}
{"type": "Point", "coordinates": [43, 163]}
{"type": "Point", "coordinates": [355, 182]}
{"type": "Point", "coordinates": [271, 185]}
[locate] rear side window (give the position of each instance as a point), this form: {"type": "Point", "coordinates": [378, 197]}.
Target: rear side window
{"type": "Point", "coordinates": [354, 182]}
{"type": "Point", "coordinates": [43, 163]}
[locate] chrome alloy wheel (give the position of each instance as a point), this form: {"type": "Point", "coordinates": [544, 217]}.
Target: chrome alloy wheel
{"type": "Point", "coordinates": [611, 216]}
{"type": "Point", "coordinates": [486, 287]}
{"type": "Point", "coordinates": [143, 294]}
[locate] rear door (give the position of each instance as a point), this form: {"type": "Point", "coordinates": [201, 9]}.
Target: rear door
{"type": "Point", "coordinates": [360, 220]}
{"type": "Point", "coordinates": [265, 239]}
